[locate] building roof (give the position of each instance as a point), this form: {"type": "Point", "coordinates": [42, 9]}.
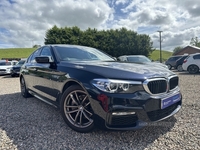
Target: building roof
{"type": "Point", "coordinates": [190, 46]}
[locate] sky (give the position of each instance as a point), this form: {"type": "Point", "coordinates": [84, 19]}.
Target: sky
{"type": "Point", "coordinates": [23, 23]}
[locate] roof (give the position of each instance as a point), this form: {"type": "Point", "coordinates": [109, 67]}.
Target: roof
{"type": "Point", "coordinates": [191, 46]}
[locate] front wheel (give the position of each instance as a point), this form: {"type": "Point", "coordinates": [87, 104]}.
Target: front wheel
{"type": "Point", "coordinates": [193, 69]}
{"type": "Point", "coordinates": [180, 68]}
{"type": "Point", "coordinates": [76, 109]}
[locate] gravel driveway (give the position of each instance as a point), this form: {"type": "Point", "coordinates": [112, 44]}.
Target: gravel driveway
{"type": "Point", "coordinates": [29, 124]}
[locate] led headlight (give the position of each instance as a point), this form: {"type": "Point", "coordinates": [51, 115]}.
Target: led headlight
{"type": "Point", "coordinates": [117, 86]}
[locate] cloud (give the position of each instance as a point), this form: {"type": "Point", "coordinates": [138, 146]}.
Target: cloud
{"type": "Point", "coordinates": [24, 23]}
{"type": "Point", "coordinates": [29, 20]}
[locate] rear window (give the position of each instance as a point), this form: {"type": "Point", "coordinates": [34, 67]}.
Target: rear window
{"type": "Point", "coordinates": [5, 63]}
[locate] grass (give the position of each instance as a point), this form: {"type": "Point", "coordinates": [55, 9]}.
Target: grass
{"type": "Point", "coordinates": [25, 52]}
{"type": "Point", "coordinates": [16, 52]}
{"type": "Point", "coordinates": [155, 55]}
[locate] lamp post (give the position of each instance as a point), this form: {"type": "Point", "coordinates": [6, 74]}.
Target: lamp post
{"type": "Point", "coordinates": [160, 46]}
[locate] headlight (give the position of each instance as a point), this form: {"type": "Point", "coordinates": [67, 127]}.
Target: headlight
{"type": "Point", "coordinates": [117, 86]}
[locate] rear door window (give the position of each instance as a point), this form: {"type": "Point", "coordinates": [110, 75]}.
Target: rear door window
{"type": "Point", "coordinates": [196, 56]}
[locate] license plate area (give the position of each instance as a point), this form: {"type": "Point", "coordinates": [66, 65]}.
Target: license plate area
{"type": "Point", "coordinates": [165, 102]}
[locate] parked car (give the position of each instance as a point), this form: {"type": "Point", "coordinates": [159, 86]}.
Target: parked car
{"type": "Point", "coordinates": [171, 61]}
{"type": "Point", "coordinates": [91, 88]}
{"type": "Point", "coordinates": [192, 63]}
{"type": "Point", "coordinates": [179, 63]}
{"type": "Point", "coordinates": [14, 62]}
{"type": "Point", "coordinates": [4, 65]}
{"type": "Point", "coordinates": [140, 59]}
{"type": "Point", "coordinates": [16, 68]}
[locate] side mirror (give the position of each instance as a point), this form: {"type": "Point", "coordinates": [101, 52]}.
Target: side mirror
{"type": "Point", "coordinates": [44, 59]}
{"type": "Point", "coordinates": [114, 58]}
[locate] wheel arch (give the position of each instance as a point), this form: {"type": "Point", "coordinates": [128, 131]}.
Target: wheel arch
{"type": "Point", "coordinates": [67, 85]}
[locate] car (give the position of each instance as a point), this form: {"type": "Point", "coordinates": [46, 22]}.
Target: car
{"type": "Point", "coordinates": [91, 89]}
{"type": "Point", "coordinates": [16, 68]}
{"type": "Point", "coordinates": [179, 63]}
{"type": "Point", "coordinates": [192, 63]}
{"type": "Point", "coordinates": [171, 61]}
{"type": "Point", "coordinates": [4, 65]}
{"type": "Point", "coordinates": [140, 59]}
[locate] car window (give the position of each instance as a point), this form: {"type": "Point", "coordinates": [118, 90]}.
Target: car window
{"type": "Point", "coordinates": [29, 58]}
{"type": "Point", "coordinates": [122, 58]}
{"type": "Point", "coordinates": [21, 62]}
{"type": "Point", "coordinates": [5, 63]}
{"type": "Point", "coordinates": [46, 52]}
{"type": "Point", "coordinates": [138, 59]}
{"type": "Point", "coordinates": [35, 54]}
{"type": "Point", "coordinates": [196, 56]}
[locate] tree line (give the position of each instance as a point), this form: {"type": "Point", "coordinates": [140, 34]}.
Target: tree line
{"type": "Point", "coordinates": [114, 42]}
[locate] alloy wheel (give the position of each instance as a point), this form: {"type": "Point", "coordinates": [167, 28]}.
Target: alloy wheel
{"type": "Point", "coordinates": [193, 69]}
{"type": "Point", "coordinates": [77, 109]}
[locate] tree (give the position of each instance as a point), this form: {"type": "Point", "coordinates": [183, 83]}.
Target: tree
{"type": "Point", "coordinates": [195, 42]}
{"type": "Point", "coordinates": [177, 49]}
{"type": "Point", "coordinates": [114, 42]}
{"type": "Point", "coordinates": [36, 46]}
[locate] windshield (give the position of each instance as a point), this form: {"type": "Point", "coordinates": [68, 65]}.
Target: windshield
{"type": "Point", "coordinates": [81, 53]}
{"type": "Point", "coordinates": [21, 62]}
{"type": "Point", "coordinates": [138, 59]}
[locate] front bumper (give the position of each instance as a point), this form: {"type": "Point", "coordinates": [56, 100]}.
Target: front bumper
{"type": "Point", "coordinates": [134, 111]}
{"type": "Point", "coordinates": [15, 71]}
{"type": "Point", "coordinates": [4, 71]}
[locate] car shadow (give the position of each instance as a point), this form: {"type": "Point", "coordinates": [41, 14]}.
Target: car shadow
{"type": "Point", "coordinates": [187, 73]}
{"type": "Point", "coordinates": [32, 124]}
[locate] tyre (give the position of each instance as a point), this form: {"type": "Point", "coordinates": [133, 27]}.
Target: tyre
{"type": "Point", "coordinates": [12, 75]}
{"type": "Point", "coordinates": [193, 69]}
{"type": "Point", "coordinates": [180, 68]}
{"type": "Point", "coordinates": [24, 91]}
{"type": "Point", "coordinates": [169, 67]}
{"type": "Point", "coordinates": [76, 109]}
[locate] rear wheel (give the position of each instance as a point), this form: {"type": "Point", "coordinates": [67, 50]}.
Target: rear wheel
{"type": "Point", "coordinates": [76, 109]}
{"type": "Point", "coordinates": [24, 91]}
{"type": "Point", "coordinates": [180, 68]}
{"type": "Point", "coordinates": [193, 69]}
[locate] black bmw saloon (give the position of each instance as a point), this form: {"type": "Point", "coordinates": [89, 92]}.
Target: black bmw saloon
{"type": "Point", "coordinates": [91, 88]}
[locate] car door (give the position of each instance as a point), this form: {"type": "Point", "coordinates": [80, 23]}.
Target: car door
{"type": "Point", "coordinates": [197, 60]}
{"type": "Point", "coordinates": [43, 76]}
{"type": "Point", "coordinates": [29, 70]}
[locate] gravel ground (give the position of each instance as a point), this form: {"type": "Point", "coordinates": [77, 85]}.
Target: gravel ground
{"type": "Point", "coordinates": [29, 124]}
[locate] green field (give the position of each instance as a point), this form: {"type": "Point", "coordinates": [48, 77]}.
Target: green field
{"type": "Point", "coordinates": [156, 55]}
{"type": "Point", "coordinates": [16, 52]}
{"type": "Point", "coordinates": [25, 52]}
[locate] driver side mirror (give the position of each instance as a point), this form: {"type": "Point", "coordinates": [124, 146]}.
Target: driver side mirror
{"type": "Point", "coordinates": [44, 59]}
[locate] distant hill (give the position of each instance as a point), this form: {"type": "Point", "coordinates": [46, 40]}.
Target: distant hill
{"type": "Point", "coordinates": [25, 52]}
{"type": "Point", "coordinates": [156, 55]}
{"type": "Point", "coordinates": [16, 52]}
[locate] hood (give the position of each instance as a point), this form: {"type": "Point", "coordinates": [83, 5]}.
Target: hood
{"type": "Point", "coordinates": [121, 70]}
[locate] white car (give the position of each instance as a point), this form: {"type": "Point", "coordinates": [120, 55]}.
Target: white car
{"type": "Point", "coordinates": [4, 67]}
{"type": "Point", "coordinates": [192, 63]}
